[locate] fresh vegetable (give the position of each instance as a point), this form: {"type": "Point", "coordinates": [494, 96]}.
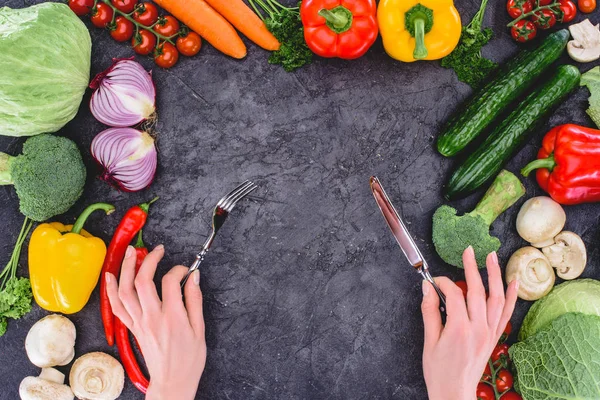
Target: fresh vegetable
{"type": "Point", "coordinates": [508, 136]}
{"type": "Point", "coordinates": [490, 101]}
{"type": "Point", "coordinates": [128, 158]}
{"type": "Point", "coordinates": [544, 19]}
{"type": "Point", "coordinates": [516, 8]}
{"type": "Point", "coordinates": [504, 380]}
{"type": "Point", "coordinates": [484, 392]}
{"type": "Point", "coordinates": [587, 6]}
{"type": "Point", "coordinates": [102, 15]}
{"type": "Point", "coordinates": [51, 341]}
{"type": "Point", "coordinates": [50, 384]}
{"type": "Point", "coordinates": [81, 7]}
{"type": "Point", "coordinates": [581, 296]}
{"type": "Point", "coordinates": [333, 29]}
{"type": "Point", "coordinates": [144, 42]}
{"type": "Point", "coordinates": [567, 255]}
{"type": "Point", "coordinates": [167, 26]}
{"type": "Point", "coordinates": [128, 228]}
{"type": "Point", "coordinates": [511, 396]}
{"type": "Point", "coordinates": [124, 94]}
{"type": "Point", "coordinates": [466, 59]}
{"type": "Point", "coordinates": [45, 68]}
{"type": "Point", "coordinates": [539, 220]}
{"type": "Point", "coordinates": [413, 31]}
{"type": "Point", "coordinates": [208, 23]}
{"type": "Point", "coordinates": [97, 376]}
{"type": "Point", "coordinates": [544, 14]}
{"type": "Point", "coordinates": [585, 46]}
{"type": "Point", "coordinates": [463, 286]}
{"type": "Point", "coordinates": [166, 55]}
{"type": "Point", "coordinates": [496, 381]}
{"type": "Point", "coordinates": [286, 26]}
{"type": "Point", "coordinates": [591, 79]}
{"type": "Point", "coordinates": [126, 6]}
{"type": "Point", "coordinates": [65, 263]}
{"type": "Point", "coordinates": [246, 21]}
{"type": "Point", "coordinates": [568, 11]}
{"type": "Point", "coordinates": [146, 13]}
{"type": "Point", "coordinates": [523, 31]}
{"type": "Point", "coordinates": [561, 361]}
{"type": "Point", "coordinates": [123, 29]}
{"type": "Point", "coordinates": [453, 234]}
{"type": "Point", "coordinates": [534, 272]}
{"type": "Point", "coordinates": [568, 164]}
{"type": "Point", "coordinates": [189, 44]}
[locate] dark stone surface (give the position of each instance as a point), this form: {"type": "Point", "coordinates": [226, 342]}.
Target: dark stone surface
{"type": "Point", "coordinates": [307, 295]}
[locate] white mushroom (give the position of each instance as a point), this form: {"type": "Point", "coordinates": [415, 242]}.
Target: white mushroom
{"type": "Point", "coordinates": [51, 341]}
{"type": "Point", "coordinates": [567, 255]}
{"type": "Point", "coordinates": [48, 386]}
{"type": "Point", "coordinates": [534, 272]}
{"type": "Point", "coordinates": [540, 220]}
{"type": "Point", "coordinates": [97, 376]}
{"type": "Point", "coordinates": [585, 46]}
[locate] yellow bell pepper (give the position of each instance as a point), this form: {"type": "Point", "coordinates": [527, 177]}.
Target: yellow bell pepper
{"type": "Point", "coordinates": [65, 263]}
{"type": "Point", "coordinates": [419, 29]}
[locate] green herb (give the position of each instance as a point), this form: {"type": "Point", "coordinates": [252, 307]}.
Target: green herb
{"type": "Point", "coordinates": [591, 79]}
{"type": "Point", "coordinates": [466, 59]}
{"type": "Point", "coordinates": [285, 24]}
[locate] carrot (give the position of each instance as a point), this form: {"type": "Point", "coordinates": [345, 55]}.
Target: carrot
{"type": "Point", "coordinates": [205, 21]}
{"type": "Point", "coordinates": [246, 21]}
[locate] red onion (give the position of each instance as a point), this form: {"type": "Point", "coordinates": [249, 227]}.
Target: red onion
{"type": "Point", "coordinates": [127, 156]}
{"type": "Point", "coordinates": [124, 94]}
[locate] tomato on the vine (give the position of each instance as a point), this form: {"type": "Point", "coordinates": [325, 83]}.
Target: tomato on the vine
{"type": "Point", "coordinates": [543, 2]}
{"type": "Point", "coordinates": [568, 11]}
{"type": "Point", "coordinates": [516, 8]}
{"type": "Point", "coordinates": [167, 26]}
{"type": "Point", "coordinates": [102, 15]}
{"type": "Point", "coordinates": [166, 55]}
{"type": "Point", "coordinates": [190, 44]}
{"type": "Point", "coordinates": [484, 392]}
{"type": "Point", "coordinates": [463, 286]}
{"type": "Point", "coordinates": [523, 31]}
{"type": "Point", "coordinates": [144, 42]}
{"type": "Point", "coordinates": [511, 396]}
{"type": "Point", "coordinates": [587, 6]}
{"type": "Point", "coordinates": [81, 7]}
{"type": "Point", "coordinates": [544, 19]}
{"type": "Point", "coordinates": [123, 29]}
{"type": "Point", "coordinates": [127, 6]}
{"type": "Point", "coordinates": [504, 380]}
{"type": "Point", "coordinates": [500, 352]}
{"type": "Point", "coordinates": [146, 14]}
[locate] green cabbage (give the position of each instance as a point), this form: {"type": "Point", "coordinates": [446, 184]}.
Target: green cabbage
{"type": "Point", "coordinates": [582, 295]}
{"type": "Point", "coordinates": [591, 79]}
{"type": "Point", "coordinates": [45, 55]}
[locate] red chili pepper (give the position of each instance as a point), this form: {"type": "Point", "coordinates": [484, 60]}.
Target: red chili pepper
{"type": "Point", "coordinates": [130, 225]}
{"type": "Point", "coordinates": [568, 164]}
{"type": "Point", "coordinates": [344, 29]}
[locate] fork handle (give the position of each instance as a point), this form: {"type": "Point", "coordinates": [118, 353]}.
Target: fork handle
{"type": "Point", "coordinates": [195, 265]}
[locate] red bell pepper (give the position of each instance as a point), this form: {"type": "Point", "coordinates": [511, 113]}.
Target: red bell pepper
{"type": "Point", "coordinates": [568, 164]}
{"type": "Point", "coordinates": [339, 28]}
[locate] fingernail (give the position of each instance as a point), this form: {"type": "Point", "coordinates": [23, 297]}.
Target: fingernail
{"type": "Point", "coordinates": [160, 247]}
{"type": "Point", "coordinates": [107, 277]}
{"type": "Point", "coordinates": [130, 251]}
{"type": "Point", "coordinates": [495, 257]}
{"type": "Point", "coordinates": [196, 277]}
{"type": "Point", "coordinates": [517, 283]}
{"type": "Point", "coordinates": [470, 250]}
{"type": "Point", "coordinates": [425, 287]}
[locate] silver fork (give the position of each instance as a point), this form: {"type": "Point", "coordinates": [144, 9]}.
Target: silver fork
{"type": "Point", "coordinates": [220, 214]}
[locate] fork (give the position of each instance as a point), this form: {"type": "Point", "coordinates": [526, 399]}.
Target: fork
{"type": "Point", "coordinates": [220, 214]}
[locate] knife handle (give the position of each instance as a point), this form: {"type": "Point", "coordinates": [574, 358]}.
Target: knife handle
{"type": "Point", "coordinates": [427, 276]}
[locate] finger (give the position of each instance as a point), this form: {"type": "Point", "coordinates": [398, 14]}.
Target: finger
{"type": "Point", "coordinates": [171, 289]}
{"type": "Point", "coordinates": [144, 282]}
{"type": "Point", "coordinates": [112, 290]}
{"type": "Point", "coordinates": [509, 306]}
{"type": "Point", "coordinates": [432, 319]}
{"type": "Point", "coordinates": [495, 303]}
{"type": "Point", "coordinates": [193, 303]}
{"type": "Point", "coordinates": [456, 308]}
{"type": "Point", "coordinates": [476, 303]}
{"type": "Point", "coordinates": [127, 291]}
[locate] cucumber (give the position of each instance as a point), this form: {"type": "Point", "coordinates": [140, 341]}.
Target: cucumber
{"type": "Point", "coordinates": [485, 162]}
{"type": "Point", "coordinates": [487, 104]}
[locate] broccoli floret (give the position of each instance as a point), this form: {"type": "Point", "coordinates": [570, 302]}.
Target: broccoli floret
{"type": "Point", "coordinates": [453, 234]}
{"type": "Point", "coordinates": [49, 176]}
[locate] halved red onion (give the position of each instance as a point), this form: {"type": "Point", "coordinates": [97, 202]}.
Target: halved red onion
{"type": "Point", "coordinates": [124, 94]}
{"type": "Point", "coordinates": [127, 156]}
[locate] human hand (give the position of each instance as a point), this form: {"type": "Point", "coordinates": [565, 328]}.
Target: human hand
{"type": "Point", "coordinates": [170, 334]}
{"type": "Point", "coordinates": [455, 355]}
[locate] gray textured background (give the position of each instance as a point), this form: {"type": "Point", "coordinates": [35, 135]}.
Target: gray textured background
{"type": "Point", "coordinates": [307, 295]}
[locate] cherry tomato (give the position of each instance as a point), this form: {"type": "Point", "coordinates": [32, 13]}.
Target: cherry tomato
{"type": "Point", "coordinates": [102, 15]}
{"type": "Point", "coordinates": [511, 396]}
{"type": "Point", "coordinates": [190, 44]}
{"type": "Point", "coordinates": [127, 6]}
{"type": "Point", "coordinates": [587, 6]}
{"type": "Point", "coordinates": [81, 7]}
{"type": "Point", "coordinates": [505, 333]}
{"type": "Point", "coordinates": [500, 352]}
{"type": "Point", "coordinates": [544, 19]}
{"type": "Point", "coordinates": [144, 42]}
{"type": "Point", "coordinates": [463, 286]}
{"type": "Point", "coordinates": [516, 8]}
{"type": "Point", "coordinates": [146, 14]}
{"type": "Point", "coordinates": [487, 373]}
{"type": "Point", "coordinates": [568, 11]}
{"type": "Point", "coordinates": [167, 26]}
{"type": "Point", "coordinates": [484, 392]}
{"type": "Point", "coordinates": [166, 55]}
{"type": "Point", "coordinates": [523, 31]}
{"type": "Point", "coordinates": [504, 380]}
{"type": "Point", "coordinates": [123, 29]}
{"type": "Point", "coordinates": [542, 2]}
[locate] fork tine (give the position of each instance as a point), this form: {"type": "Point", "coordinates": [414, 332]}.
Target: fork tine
{"type": "Point", "coordinates": [241, 189]}
{"type": "Point", "coordinates": [232, 203]}
{"type": "Point", "coordinates": [233, 192]}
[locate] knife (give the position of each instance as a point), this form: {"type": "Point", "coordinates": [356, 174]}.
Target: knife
{"type": "Point", "coordinates": [403, 237]}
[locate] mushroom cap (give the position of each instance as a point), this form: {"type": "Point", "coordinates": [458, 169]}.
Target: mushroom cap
{"type": "Point", "coordinates": [97, 376]}
{"type": "Point", "coordinates": [585, 46]}
{"type": "Point", "coordinates": [534, 272]}
{"type": "Point", "coordinates": [51, 341]}
{"type": "Point", "coordinates": [48, 386]}
{"type": "Point", "coordinates": [567, 255]}
{"type": "Point", "coordinates": [539, 220]}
